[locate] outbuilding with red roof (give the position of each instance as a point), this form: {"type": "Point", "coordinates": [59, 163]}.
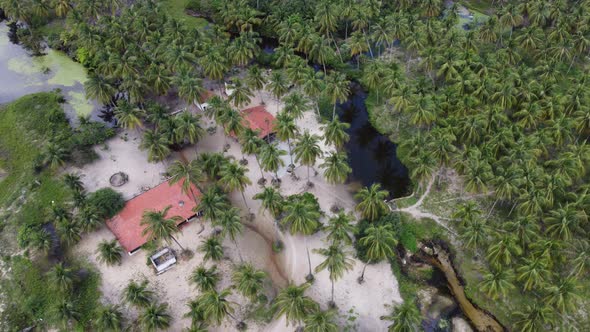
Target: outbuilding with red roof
{"type": "Point", "coordinates": [259, 119]}
{"type": "Point", "coordinates": [126, 225]}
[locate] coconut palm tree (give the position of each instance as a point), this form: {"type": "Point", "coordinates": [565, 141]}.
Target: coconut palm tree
{"type": "Point", "coordinates": [109, 318]}
{"type": "Point", "coordinates": [197, 316]}
{"type": "Point", "coordinates": [379, 242]}
{"type": "Point", "coordinates": [286, 130]}
{"type": "Point", "coordinates": [340, 228]}
{"type": "Point", "coordinates": [212, 249]}
{"type": "Point", "coordinates": [205, 279]}
{"type": "Point", "coordinates": [61, 277]}
{"type": "Point", "coordinates": [74, 182]}
{"type": "Point", "coordinates": [212, 203]}
{"type": "Point", "coordinates": [336, 167]}
{"type": "Point", "coordinates": [301, 216]}
{"type": "Point", "coordinates": [271, 200]}
{"type": "Point", "coordinates": [535, 317]}
{"type": "Point", "coordinates": [497, 282]}
{"type": "Point", "coordinates": [335, 133]}
{"type": "Point", "coordinates": [188, 174]}
{"type": "Point", "coordinates": [564, 295]}
{"type": "Point", "coordinates": [128, 116]}
{"type": "Point", "coordinates": [157, 226]}
{"type": "Point", "coordinates": [233, 177]}
{"type": "Point", "coordinates": [270, 158]}
{"type": "Point", "coordinates": [109, 252]}
{"type": "Point", "coordinates": [337, 263]}
{"type": "Point", "coordinates": [189, 86]}
{"type": "Point", "coordinates": [241, 94]}
{"type": "Point", "coordinates": [55, 155]}
{"type": "Point", "coordinates": [320, 321]}
{"type": "Point", "coordinates": [278, 85]}
{"type": "Point", "coordinates": [337, 89]}
{"type": "Point", "coordinates": [307, 151]}
{"type": "Point", "coordinates": [255, 78]}
{"type": "Point", "coordinates": [69, 231]}
{"type": "Point", "coordinates": [65, 312]}
{"type": "Point", "coordinates": [231, 225]}
{"type": "Point", "coordinates": [406, 317]}
{"type": "Point", "coordinates": [188, 127]}
{"type": "Point", "coordinates": [296, 105]}
{"type": "Point", "coordinates": [216, 306]}
{"type": "Point", "coordinates": [372, 202]}
{"type": "Point", "coordinates": [155, 317]}
{"type": "Point", "coordinates": [248, 281]}
{"type": "Point", "coordinates": [156, 145]}
{"type": "Point", "coordinates": [294, 304]}
{"type": "Point", "coordinates": [99, 87]}
{"type": "Point", "coordinates": [533, 272]}
{"type": "Point", "coordinates": [251, 144]}
{"type": "Point", "coordinates": [138, 294]}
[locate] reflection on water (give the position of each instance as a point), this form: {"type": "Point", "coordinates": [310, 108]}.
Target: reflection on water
{"type": "Point", "coordinates": [371, 155]}
{"type": "Point", "coordinates": [21, 74]}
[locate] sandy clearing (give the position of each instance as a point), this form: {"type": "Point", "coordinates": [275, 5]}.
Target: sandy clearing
{"type": "Point", "coordinates": [367, 302]}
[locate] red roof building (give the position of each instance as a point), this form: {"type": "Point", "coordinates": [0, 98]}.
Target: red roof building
{"type": "Point", "coordinates": [126, 225]}
{"type": "Point", "coordinates": [257, 118]}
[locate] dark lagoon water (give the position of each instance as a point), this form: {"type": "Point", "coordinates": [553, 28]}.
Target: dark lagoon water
{"type": "Point", "coordinates": [371, 155]}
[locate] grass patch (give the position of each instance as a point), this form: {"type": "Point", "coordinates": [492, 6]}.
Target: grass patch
{"type": "Point", "coordinates": [484, 6]}
{"type": "Point", "coordinates": [24, 126]}
{"type": "Point", "coordinates": [176, 9]}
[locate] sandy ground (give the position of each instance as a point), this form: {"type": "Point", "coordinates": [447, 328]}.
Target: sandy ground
{"type": "Point", "coordinates": [366, 302]}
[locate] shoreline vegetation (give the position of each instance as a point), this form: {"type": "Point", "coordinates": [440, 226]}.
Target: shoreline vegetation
{"type": "Point", "coordinates": [491, 117]}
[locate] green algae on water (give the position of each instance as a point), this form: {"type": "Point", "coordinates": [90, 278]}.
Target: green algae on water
{"type": "Point", "coordinates": [79, 103]}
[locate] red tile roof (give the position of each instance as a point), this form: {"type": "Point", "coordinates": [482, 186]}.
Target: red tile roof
{"type": "Point", "coordinates": [205, 96]}
{"type": "Point", "coordinates": [126, 225]}
{"type": "Point", "coordinates": [257, 118]}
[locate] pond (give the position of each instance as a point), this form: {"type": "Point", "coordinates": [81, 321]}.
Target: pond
{"type": "Point", "coordinates": [371, 155]}
{"type": "Point", "coordinates": [21, 74]}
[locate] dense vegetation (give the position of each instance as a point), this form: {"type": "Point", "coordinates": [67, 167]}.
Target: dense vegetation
{"type": "Point", "coordinates": [504, 103]}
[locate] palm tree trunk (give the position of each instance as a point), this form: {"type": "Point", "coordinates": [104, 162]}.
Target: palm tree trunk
{"type": "Point", "coordinates": [290, 153]}
{"type": "Point", "coordinates": [513, 206]}
{"type": "Point", "coordinates": [492, 209]}
{"type": "Point", "coordinates": [259, 167]}
{"type": "Point", "coordinates": [245, 202]}
{"type": "Point", "coordinates": [308, 174]}
{"type": "Point", "coordinates": [332, 292]}
{"type": "Point", "coordinates": [334, 112]}
{"type": "Point", "coordinates": [173, 238]}
{"type": "Point", "coordinates": [361, 279]}
{"type": "Point", "coordinates": [309, 276]}
{"type": "Point", "coordinates": [238, 250]}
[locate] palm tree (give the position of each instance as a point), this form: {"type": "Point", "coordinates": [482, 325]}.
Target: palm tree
{"type": "Point", "coordinates": [271, 200]}
{"type": "Point", "coordinates": [335, 133]}
{"type": "Point", "coordinates": [233, 177]}
{"type": "Point", "coordinates": [533, 272]}
{"type": "Point", "coordinates": [564, 222]}
{"type": "Point", "coordinates": [156, 145]}
{"type": "Point", "coordinates": [69, 231]}
{"type": "Point", "coordinates": [55, 155]}
{"type": "Point", "coordinates": [155, 317]}
{"type": "Point", "coordinates": [564, 295]}
{"type": "Point", "coordinates": [74, 182]}
{"type": "Point", "coordinates": [251, 144]}
{"type": "Point", "coordinates": [302, 217]}
{"type": "Point", "coordinates": [109, 252]}
{"type": "Point", "coordinates": [137, 294]}
{"type": "Point", "coordinates": [307, 150]}
{"type": "Point", "coordinates": [286, 129]}
{"type": "Point", "coordinates": [109, 318]}
{"type": "Point", "coordinates": [406, 317]}
{"type": "Point", "coordinates": [188, 174]}
{"type": "Point", "coordinates": [503, 250]}
{"type": "Point", "coordinates": [379, 242]}
{"type": "Point", "coordinates": [65, 312]}
{"type": "Point", "coordinates": [212, 249]}
{"type": "Point", "coordinates": [197, 316]}
{"type": "Point", "coordinates": [336, 262]}
{"type": "Point", "coordinates": [99, 87]}
{"type": "Point", "coordinates": [189, 86]}
{"type": "Point", "coordinates": [127, 116]}
{"type": "Point", "coordinates": [296, 105]}
{"type": "Point", "coordinates": [248, 281]}
{"type": "Point", "coordinates": [270, 158]}
{"type": "Point", "coordinates": [212, 203]}
{"type": "Point", "coordinates": [188, 127]}
{"type": "Point", "coordinates": [241, 94]}
{"type": "Point", "coordinates": [337, 89]}
{"type": "Point", "coordinates": [157, 226]}
{"type": "Point", "coordinates": [340, 227]}
{"type": "Point", "coordinates": [372, 202]}
{"type": "Point", "coordinates": [216, 307]}
{"type": "Point", "coordinates": [278, 85]}
{"type": "Point", "coordinates": [205, 279]}
{"type": "Point", "coordinates": [231, 225]}
{"type": "Point", "coordinates": [336, 167]}
{"type": "Point", "coordinates": [497, 282]}
{"type": "Point", "coordinates": [535, 317]}
{"type": "Point", "coordinates": [62, 277]}
{"type": "Point", "coordinates": [313, 86]}
{"type": "Point", "coordinates": [294, 304]}
{"type": "Point", "coordinates": [255, 78]}
{"type": "Point", "coordinates": [320, 321]}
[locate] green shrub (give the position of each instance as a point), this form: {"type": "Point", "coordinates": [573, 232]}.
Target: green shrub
{"type": "Point", "coordinates": [92, 133]}
{"type": "Point", "coordinates": [107, 202]}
